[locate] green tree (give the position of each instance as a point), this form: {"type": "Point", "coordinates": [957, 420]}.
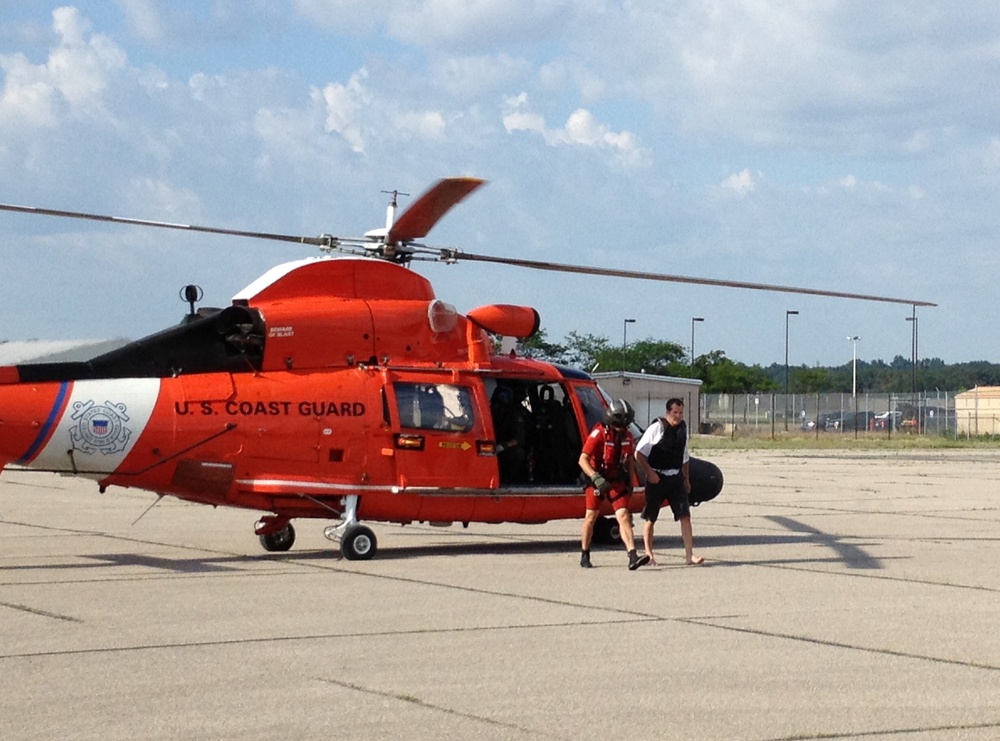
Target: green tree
{"type": "Point", "coordinates": [538, 347]}
{"type": "Point", "coordinates": [657, 357]}
{"type": "Point", "coordinates": [808, 380]}
{"type": "Point", "coordinates": [589, 352]}
{"type": "Point", "coordinates": [722, 375]}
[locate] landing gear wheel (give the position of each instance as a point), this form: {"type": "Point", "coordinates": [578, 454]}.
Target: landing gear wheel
{"type": "Point", "coordinates": [614, 531]}
{"type": "Point", "coordinates": [358, 543]}
{"type": "Point", "coordinates": [607, 531]}
{"type": "Point", "coordinates": [279, 540]}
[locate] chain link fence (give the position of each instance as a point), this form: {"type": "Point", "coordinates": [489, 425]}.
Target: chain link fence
{"type": "Point", "coordinates": [769, 414]}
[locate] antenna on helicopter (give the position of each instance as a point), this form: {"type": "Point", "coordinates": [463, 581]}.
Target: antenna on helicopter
{"type": "Point", "coordinates": [192, 294]}
{"type": "Point", "coordinates": [390, 211]}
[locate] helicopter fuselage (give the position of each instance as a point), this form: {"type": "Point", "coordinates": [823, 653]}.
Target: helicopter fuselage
{"type": "Point", "coordinates": [335, 387]}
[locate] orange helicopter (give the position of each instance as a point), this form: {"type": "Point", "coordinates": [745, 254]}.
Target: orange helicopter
{"type": "Point", "coordinates": [335, 388]}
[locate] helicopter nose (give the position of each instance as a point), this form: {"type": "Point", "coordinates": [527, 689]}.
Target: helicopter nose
{"type": "Point", "coordinates": [28, 415]}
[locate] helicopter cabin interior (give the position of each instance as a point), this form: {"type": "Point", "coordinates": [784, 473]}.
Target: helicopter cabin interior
{"type": "Point", "coordinates": [537, 433]}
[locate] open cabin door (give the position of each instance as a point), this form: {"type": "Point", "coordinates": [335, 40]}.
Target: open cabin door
{"type": "Point", "coordinates": [536, 430]}
{"type": "Point", "coordinates": [439, 432]}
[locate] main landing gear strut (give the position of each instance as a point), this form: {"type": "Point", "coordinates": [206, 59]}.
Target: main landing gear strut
{"type": "Point", "coordinates": [357, 542]}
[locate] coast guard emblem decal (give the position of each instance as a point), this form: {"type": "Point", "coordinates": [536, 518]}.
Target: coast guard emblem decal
{"type": "Point", "coordinates": [99, 427]}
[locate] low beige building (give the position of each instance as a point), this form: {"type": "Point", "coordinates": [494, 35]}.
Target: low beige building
{"type": "Point", "coordinates": [20, 352]}
{"type": "Point", "coordinates": [648, 395]}
{"type": "Point", "coordinates": [977, 411]}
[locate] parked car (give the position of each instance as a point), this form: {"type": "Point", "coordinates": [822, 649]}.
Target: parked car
{"type": "Point", "coordinates": [833, 421]}
{"type": "Point", "coordinates": [887, 421]}
{"type": "Point", "coordinates": [824, 421]}
{"type": "Point", "coordinates": [856, 420]}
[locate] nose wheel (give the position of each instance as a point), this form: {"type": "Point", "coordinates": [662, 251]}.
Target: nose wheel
{"type": "Point", "coordinates": [276, 533]}
{"type": "Point", "coordinates": [280, 540]}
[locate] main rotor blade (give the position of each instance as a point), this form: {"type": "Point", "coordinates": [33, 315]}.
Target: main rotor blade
{"type": "Point", "coordinates": [610, 272]}
{"type": "Point", "coordinates": [428, 209]}
{"type": "Point", "coordinates": [319, 241]}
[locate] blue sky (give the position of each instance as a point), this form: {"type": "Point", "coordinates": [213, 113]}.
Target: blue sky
{"type": "Point", "coordinates": [826, 144]}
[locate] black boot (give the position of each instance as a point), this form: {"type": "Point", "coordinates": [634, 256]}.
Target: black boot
{"type": "Point", "coordinates": [635, 560]}
{"type": "Point", "coordinates": [585, 560]}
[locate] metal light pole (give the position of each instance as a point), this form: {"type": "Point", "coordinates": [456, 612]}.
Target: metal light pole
{"type": "Point", "coordinates": [854, 385]}
{"type": "Point", "coordinates": [913, 349]}
{"type": "Point", "coordinates": [693, 320]}
{"type": "Point", "coordinates": [913, 383]}
{"type": "Point", "coordinates": [625, 340]}
{"type": "Point", "coordinates": [788, 313]}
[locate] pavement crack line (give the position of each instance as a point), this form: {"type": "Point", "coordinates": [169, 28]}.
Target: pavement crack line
{"type": "Point", "coordinates": [708, 623]}
{"type": "Point", "coordinates": [619, 615]}
{"type": "Point", "coordinates": [701, 622]}
{"type": "Point", "coordinates": [316, 637]}
{"type": "Point", "coordinates": [431, 706]}
{"type": "Point", "coordinates": [42, 613]}
{"type": "Point", "coordinates": [832, 736]}
{"type": "Point", "coordinates": [856, 574]}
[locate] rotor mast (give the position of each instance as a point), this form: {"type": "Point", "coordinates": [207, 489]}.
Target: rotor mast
{"type": "Point", "coordinates": [390, 211]}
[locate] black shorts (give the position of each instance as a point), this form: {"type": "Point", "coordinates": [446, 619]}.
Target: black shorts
{"type": "Point", "coordinates": [667, 489]}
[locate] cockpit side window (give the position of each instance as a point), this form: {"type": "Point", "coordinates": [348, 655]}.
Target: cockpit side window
{"type": "Point", "coordinates": [434, 406]}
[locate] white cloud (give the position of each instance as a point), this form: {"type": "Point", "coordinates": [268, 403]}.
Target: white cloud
{"type": "Point", "coordinates": [359, 115]}
{"type": "Point", "coordinates": [352, 16]}
{"type": "Point", "coordinates": [468, 76]}
{"type": "Point", "coordinates": [991, 156]}
{"type": "Point", "coordinates": [145, 18]}
{"type": "Point", "coordinates": [581, 129]}
{"type": "Point", "coordinates": [919, 141]}
{"type": "Point", "coordinates": [83, 62]}
{"type": "Point", "coordinates": [158, 196]}
{"type": "Point", "coordinates": [424, 124]}
{"type": "Point", "coordinates": [344, 103]}
{"type": "Point", "coordinates": [433, 24]}
{"type": "Point", "coordinates": [825, 74]}
{"type": "Point", "coordinates": [73, 79]}
{"type": "Point", "coordinates": [870, 121]}
{"type": "Point", "coordinates": [27, 98]}
{"type": "Point", "coordinates": [741, 182]}
{"type": "Point", "coordinates": [524, 121]}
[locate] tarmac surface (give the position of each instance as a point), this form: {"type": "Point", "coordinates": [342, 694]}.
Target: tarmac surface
{"type": "Point", "coordinates": [847, 595]}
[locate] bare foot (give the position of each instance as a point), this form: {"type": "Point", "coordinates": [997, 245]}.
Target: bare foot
{"type": "Point", "coordinates": [696, 561]}
{"type": "Point", "coordinates": [652, 561]}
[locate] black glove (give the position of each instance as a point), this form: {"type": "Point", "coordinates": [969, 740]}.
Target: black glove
{"type": "Point", "coordinates": [600, 483]}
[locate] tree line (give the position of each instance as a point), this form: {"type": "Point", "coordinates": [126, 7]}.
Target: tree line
{"type": "Point", "coordinates": [719, 374]}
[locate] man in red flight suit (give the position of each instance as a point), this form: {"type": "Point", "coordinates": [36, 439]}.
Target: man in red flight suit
{"type": "Point", "coordinates": [607, 461]}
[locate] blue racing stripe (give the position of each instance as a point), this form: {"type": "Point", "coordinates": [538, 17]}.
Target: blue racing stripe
{"type": "Point", "coordinates": [43, 434]}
